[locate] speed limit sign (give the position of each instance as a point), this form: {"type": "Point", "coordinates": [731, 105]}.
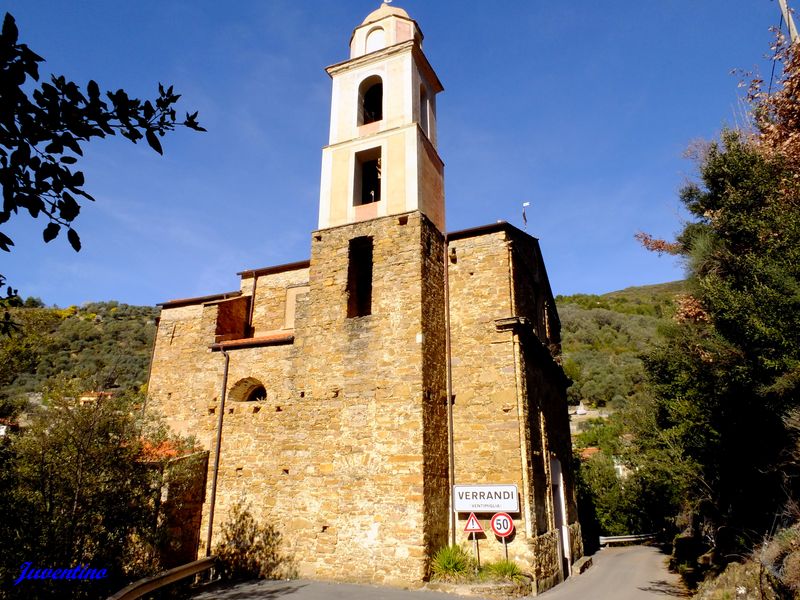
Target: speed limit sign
{"type": "Point", "coordinates": [502, 525]}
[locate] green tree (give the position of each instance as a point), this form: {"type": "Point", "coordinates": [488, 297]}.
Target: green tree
{"type": "Point", "coordinates": [42, 130]}
{"type": "Point", "coordinates": [77, 488]}
{"type": "Point", "coordinates": [105, 344]}
{"type": "Point", "coordinates": [726, 377]}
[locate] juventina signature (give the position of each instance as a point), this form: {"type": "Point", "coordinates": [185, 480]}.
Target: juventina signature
{"type": "Point", "coordinates": [27, 571]}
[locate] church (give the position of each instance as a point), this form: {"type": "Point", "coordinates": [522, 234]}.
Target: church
{"type": "Point", "coordinates": [347, 397]}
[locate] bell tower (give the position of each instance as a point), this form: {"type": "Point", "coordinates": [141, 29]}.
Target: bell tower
{"type": "Point", "coordinates": [369, 336]}
{"type": "Point", "coordinates": [381, 158]}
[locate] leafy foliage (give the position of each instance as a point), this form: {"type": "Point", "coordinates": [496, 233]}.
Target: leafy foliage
{"type": "Point", "coordinates": [604, 338]}
{"type": "Point", "coordinates": [712, 442]}
{"type": "Point", "coordinates": [42, 130]}
{"type": "Point", "coordinates": [731, 376]}
{"type": "Point", "coordinates": [105, 344]}
{"type": "Point", "coordinates": [78, 489]}
{"type": "Point", "coordinates": [727, 375]}
{"type": "Point", "coordinates": [777, 114]}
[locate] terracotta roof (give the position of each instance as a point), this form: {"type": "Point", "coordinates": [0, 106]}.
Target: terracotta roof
{"type": "Point", "coordinates": [273, 339]}
{"type": "Point", "coordinates": [295, 266]}
{"type": "Point", "coordinates": [164, 449]}
{"type": "Point", "coordinates": [199, 299]}
{"type": "Point", "coordinates": [484, 229]}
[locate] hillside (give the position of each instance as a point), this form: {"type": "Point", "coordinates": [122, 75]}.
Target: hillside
{"type": "Point", "coordinates": [603, 337]}
{"type": "Point", "coordinates": [106, 344]}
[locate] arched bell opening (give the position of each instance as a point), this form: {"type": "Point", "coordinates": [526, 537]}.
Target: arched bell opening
{"type": "Point", "coordinates": [370, 95]}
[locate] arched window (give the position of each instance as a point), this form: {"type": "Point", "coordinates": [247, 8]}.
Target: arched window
{"type": "Point", "coordinates": [370, 95]}
{"type": "Point", "coordinates": [248, 390]}
{"type": "Point", "coordinates": [257, 393]}
{"type": "Point", "coordinates": [376, 39]}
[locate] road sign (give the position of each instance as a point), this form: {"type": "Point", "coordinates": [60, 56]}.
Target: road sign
{"type": "Point", "coordinates": [486, 498]}
{"type": "Point", "coordinates": [473, 526]}
{"type": "Point", "coordinates": [502, 525]}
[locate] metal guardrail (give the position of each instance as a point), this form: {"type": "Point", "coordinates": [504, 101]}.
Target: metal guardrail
{"type": "Point", "coordinates": [139, 588]}
{"type": "Point", "coordinates": [606, 540]}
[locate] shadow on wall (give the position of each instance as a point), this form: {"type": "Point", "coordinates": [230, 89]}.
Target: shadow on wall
{"type": "Point", "coordinates": [249, 550]}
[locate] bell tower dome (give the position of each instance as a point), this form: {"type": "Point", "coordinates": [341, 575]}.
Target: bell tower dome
{"type": "Point", "coordinates": [381, 157]}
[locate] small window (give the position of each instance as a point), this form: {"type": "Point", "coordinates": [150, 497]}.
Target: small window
{"type": "Point", "coordinates": [370, 95]}
{"type": "Point", "coordinates": [367, 184]}
{"type": "Point", "coordinates": [359, 277]}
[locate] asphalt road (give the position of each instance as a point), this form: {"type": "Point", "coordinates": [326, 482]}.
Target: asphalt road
{"type": "Point", "coordinates": [631, 573]}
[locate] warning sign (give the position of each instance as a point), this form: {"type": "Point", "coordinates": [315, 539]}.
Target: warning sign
{"type": "Point", "coordinates": [473, 526]}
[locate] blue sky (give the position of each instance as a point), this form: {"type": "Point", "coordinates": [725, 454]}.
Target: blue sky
{"type": "Point", "coordinates": [582, 108]}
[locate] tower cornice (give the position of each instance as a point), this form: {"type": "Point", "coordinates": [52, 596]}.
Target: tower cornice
{"type": "Point", "coordinates": [383, 54]}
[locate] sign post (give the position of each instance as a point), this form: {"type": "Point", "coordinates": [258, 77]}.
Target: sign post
{"type": "Point", "coordinates": [474, 527]}
{"type": "Point", "coordinates": [503, 526]}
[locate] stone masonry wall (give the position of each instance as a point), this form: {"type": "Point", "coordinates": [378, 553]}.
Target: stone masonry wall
{"type": "Point", "coordinates": [437, 498]}
{"type": "Point", "coordinates": [509, 391]}
{"type": "Point", "coordinates": [374, 387]}
{"type": "Point", "coordinates": [270, 308]}
{"type": "Point", "coordinates": [185, 377]}
{"type": "Point", "coordinates": [545, 383]}
{"type": "Point", "coordinates": [545, 388]}
{"type": "Point", "coordinates": [182, 506]}
{"type": "Point", "coordinates": [347, 453]}
{"type": "Point", "coordinates": [487, 410]}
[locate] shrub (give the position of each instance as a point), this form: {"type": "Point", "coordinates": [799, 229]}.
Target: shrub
{"type": "Point", "coordinates": [504, 570]}
{"type": "Point", "coordinates": [452, 563]}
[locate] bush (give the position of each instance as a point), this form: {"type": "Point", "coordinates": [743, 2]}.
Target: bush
{"type": "Point", "coordinates": [452, 563]}
{"type": "Point", "coordinates": [504, 570]}
{"type": "Point", "coordinates": [77, 487]}
{"type": "Point", "coordinates": [251, 551]}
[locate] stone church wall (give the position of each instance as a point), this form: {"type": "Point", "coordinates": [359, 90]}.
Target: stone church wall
{"type": "Point", "coordinates": [510, 395]}
{"type": "Point", "coordinates": [185, 377]}
{"type": "Point", "coordinates": [486, 411]}
{"type": "Point", "coordinates": [379, 380]}
{"type": "Point", "coordinates": [347, 453]}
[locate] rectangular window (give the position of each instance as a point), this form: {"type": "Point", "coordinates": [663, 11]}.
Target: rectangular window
{"type": "Point", "coordinates": [359, 277]}
{"type": "Point", "coordinates": [232, 319]}
{"type": "Point", "coordinates": [367, 184]}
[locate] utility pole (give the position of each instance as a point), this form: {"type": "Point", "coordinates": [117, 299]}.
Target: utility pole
{"type": "Point", "coordinates": [787, 16]}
